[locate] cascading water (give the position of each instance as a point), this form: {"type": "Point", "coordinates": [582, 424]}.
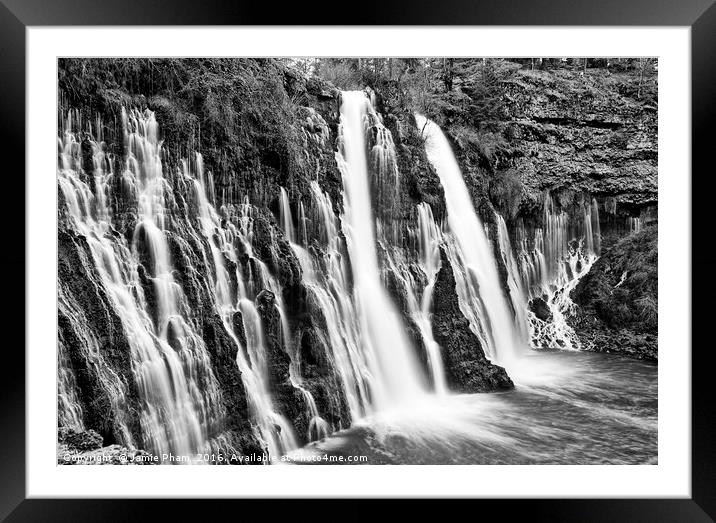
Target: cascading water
{"type": "Point", "coordinates": [634, 224]}
{"type": "Point", "coordinates": [326, 276]}
{"type": "Point", "coordinates": [531, 260]}
{"type": "Point", "coordinates": [516, 285]}
{"type": "Point", "coordinates": [273, 428]}
{"type": "Point", "coordinates": [429, 240]}
{"type": "Point", "coordinates": [318, 427]}
{"type": "Point", "coordinates": [551, 263]}
{"type": "Point", "coordinates": [417, 287]}
{"type": "Point", "coordinates": [482, 299]}
{"type": "Point", "coordinates": [134, 220]}
{"type": "Point", "coordinates": [181, 402]}
{"type": "Point", "coordinates": [396, 377]}
{"type": "Point", "coordinates": [179, 394]}
{"type": "Point", "coordinates": [569, 241]}
{"type": "Point", "coordinates": [422, 254]}
{"type": "Point", "coordinates": [375, 361]}
{"type": "Point", "coordinates": [285, 216]}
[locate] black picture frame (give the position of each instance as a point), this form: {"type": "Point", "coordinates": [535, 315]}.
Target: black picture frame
{"type": "Point", "coordinates": [700, 15]}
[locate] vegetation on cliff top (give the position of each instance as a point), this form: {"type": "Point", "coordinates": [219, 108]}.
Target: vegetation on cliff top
{"type": "Point", "coordinates": [523, 126]}
{"type": "Point", "coordinates": [514, 123]}
{"type": "Point", "coordinates": [242, 114]}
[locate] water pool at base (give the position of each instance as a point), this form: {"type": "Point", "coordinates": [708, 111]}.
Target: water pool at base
{"type": "Point", "coordinates": [567, 408]}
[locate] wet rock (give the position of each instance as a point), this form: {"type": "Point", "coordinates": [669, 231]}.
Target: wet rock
{"type": "Point", "coordinates": [79, 439]}
{"type": "Point", "coordinates": [87, 336]}
{"type": "Point", "coordinates": [288, 400]}
{"type": "Point", "coordinates": [237, 321]}
{"type": "Point", "coordinates": [223, 351]}
{"type": "Point", "coordinates": [150, 292]}
{"type": "Point", "coordinates": [540, 309]}
{"type": "Point", "coordinates": [85, 447]}
{"type": "Point", "coordinates": [312, 354]}
{"type": "Point", "coordinates": [466, 367]}
{"type": "Point", "coordinates": [265, 301]}
{"type": "Point", "coordinates": [315, 363]}
{"type": "Point", "coordinates": [273, 249]}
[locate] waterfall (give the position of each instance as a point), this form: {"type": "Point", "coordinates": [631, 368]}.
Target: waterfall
{"type": "Point", "coordinates": [569, 240]}
{"type": "Point", "coordinates": [285, 215]}
{"type": "Point", "coordinates": [548, 265]}
{"type": "Point", "coordinates": [273, 428]}
{"type": "Point", "coordinates": [482, 298]}
{"type": "Point", "coordinates": [594, 230]}
{"type": "Point", "coordinates": [326, 275]}
{"type": "Point", "coordinates": [531, 260]}
{"type": "Point", "coordinates": [551, 263]}
{"type": "Point", "coordinates": [395, 374]}
{"type": "Point", "coordinates": [633, 224]}
{"type": "Point", "coordinates": [347, 263]}
{"type": "Point", "coordinates": [516, 285]}
{"type": "Point", "coordinates": [325, 278]}
{"type": "Point", "coordinates": [429, 240]}
{"type": "Point", "coordinates": [318, 427]}
{"type": "Point", "coordinates": [414, 268]}
{"type": "Point", "coordinates": [182, 406]}
{"type": "Point", "coordinates": [170, 363]}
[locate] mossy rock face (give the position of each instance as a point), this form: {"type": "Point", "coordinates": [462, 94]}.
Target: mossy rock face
{"type": "Point", "coordinates": [618, 299]}
{"type": "Point", "coordinates": [253, 120]}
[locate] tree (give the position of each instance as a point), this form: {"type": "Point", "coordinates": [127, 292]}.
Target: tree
{"type": "Point", "coordinates": [646, 69]}
{"type": "Point", "coordinates": [447, 73]}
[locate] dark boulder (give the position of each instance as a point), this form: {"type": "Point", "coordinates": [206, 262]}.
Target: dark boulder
{"type": "Point", "coordinates": [540, 309]}
{"type": "Point", "coordinates": [466, 367]}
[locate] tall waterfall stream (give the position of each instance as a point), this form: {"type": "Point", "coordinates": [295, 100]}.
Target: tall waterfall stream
{"type": "Point", "coordinates": [567, 406]}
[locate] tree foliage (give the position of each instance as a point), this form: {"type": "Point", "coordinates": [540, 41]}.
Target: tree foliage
{"type": "Point", "coordinates": [467, 91]}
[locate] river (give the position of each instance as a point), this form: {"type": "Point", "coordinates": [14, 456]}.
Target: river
{"type": "Point", "coordinates": [568, 407]}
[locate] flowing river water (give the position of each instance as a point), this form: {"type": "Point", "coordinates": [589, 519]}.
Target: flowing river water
{"type": "Point", "coordinates": [567, 408]}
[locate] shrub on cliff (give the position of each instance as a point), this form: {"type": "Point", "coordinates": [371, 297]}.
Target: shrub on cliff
{"type": "Point", "coordinates": [622, 286]}
{"type": "Point", "coordinates": [237, 112]}
{"type": "Point", "coordinates": [618, 298]}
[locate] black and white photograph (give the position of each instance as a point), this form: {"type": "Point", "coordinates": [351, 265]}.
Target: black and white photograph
{"type": "Point", "coordinates": [357, 261]}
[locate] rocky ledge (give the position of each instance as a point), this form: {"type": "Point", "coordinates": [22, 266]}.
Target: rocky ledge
{"type": "Point", "coordinates": [84, 447]}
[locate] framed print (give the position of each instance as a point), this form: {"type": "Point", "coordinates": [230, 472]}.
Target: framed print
{"type": "Point", "coordinates": [448, 254]}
